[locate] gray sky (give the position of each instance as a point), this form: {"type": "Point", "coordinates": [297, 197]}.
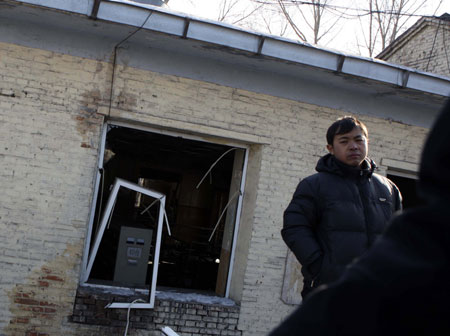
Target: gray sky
{"type": "Point", "coordinates": [344, 37]}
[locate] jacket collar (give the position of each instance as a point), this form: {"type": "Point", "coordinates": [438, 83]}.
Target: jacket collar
{"type": "Point", "coordinates": [329, 163]}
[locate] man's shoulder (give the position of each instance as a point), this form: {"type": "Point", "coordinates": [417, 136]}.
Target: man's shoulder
{"type": "Point", "coordinates": [319, 177]}
{"type": "Point", "coordinates": [384, 181]}
{"type": "Point", "coordinates": [385, 187]}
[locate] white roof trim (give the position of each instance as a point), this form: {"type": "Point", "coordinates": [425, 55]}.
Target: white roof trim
{"type": "Point", "coordinates": [178, 24]}
{"type": "Point", "coordinates": [80, 7]}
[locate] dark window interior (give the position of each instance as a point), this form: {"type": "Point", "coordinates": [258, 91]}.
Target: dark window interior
{"type": "Point", "coordinates": [408, 189]}
{"type": "Point", "coordinates": [174, 166]}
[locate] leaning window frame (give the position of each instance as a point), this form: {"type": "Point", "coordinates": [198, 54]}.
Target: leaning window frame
{"type": "Point", "coordinates": [120, 183]}
{"type": "Point", "coordinates": [106, 127]}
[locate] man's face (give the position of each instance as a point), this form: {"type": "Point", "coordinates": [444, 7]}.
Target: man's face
{"type": "Point", "coordinates": [350, 148]}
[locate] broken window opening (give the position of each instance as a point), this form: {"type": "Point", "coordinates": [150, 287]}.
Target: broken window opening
{"type": "Point", "coordinates": [198, 254]}
{"type": "Point", "coordinates": [407, 184]}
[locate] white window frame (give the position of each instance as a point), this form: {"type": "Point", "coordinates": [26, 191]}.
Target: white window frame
{"type": "Point", "coordinates": [105, 219]}
{"type": "Point", "coordinates": [401, 168]}
{"type": "Point", "coordinates": [84, 276]}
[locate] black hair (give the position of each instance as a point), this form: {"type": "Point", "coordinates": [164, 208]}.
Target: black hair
{"type": "Point", "coordinates": [344, 125]}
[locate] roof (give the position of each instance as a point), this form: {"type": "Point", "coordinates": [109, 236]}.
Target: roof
{"type": "Point", "coordinates": [445, 17]}
{"type": "Point", "coordinates": [183, 45]}
{"type": "Point", "coordinates": [419, 25]}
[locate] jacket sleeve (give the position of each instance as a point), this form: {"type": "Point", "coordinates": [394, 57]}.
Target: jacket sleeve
{"type": "Point", "coordinates": [300, 219]}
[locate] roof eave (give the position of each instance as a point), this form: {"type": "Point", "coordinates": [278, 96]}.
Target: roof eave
{"type": "Point", "coordinates": [224, 35]}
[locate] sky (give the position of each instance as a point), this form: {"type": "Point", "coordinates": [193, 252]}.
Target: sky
{"type": "Point", "coordinates": [347, 36]}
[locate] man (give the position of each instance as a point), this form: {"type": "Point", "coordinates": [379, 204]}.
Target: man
{"type": "Point", "coordinates": [401, 286]}
{"type": "Point", "coordinates": [337, 214]}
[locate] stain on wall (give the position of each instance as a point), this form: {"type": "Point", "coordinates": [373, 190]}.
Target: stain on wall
{"type": "Point", "coordinates": [88, 120]}
{"type": "Point", "coordinates": [36, 305]}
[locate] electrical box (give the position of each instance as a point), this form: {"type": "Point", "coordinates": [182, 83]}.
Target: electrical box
{"type": "Point", "coordinates": [132, 255]}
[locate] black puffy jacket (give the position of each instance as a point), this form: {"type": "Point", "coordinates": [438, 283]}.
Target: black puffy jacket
{"type": "Point", "coordinates": [335, 215]}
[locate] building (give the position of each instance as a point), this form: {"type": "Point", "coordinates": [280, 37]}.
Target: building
{"type": "Point", "coordinates": [122, 121]}
{"type": "Point", "coordinates": [424, 46]}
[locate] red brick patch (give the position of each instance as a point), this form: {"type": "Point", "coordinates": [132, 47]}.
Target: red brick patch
{"type": "Point", "coordinates": [26, 301]}
{"type": "Point", "coordinates": [45, 303]}
{"type": "Point", "coordinates": [21, 320]}
{"type": "Point", "coordinates": [53, 278]}
{"type": "Point", "coordinates": [43, 283]}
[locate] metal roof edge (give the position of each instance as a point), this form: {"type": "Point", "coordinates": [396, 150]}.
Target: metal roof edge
{"type": "Point", "coordinates": [190, 27]}
{"type": "Point", "coordinates": [79, 7]}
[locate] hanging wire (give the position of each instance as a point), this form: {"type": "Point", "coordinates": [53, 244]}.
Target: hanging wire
{"type": "Point", "coordinates": [167, 222]}
{"type": "Point", "coordinates": [445, 49]}
{"type": "Point", "coordinates": [115, 61]}
{"type": "Point", "coordinates": [164, 212]}
{"type": "Point", "coordinates": [336, 7]}
{"type": "Point", "coordinates": [238, 192]}
{"type": "Point", "coordinates": [128, 314]}
{"type": "Point", "coordinates": [148, 208]}
{"type": "Point", "coordinates": [432, 47]}
{"type": "Point", "coordinates": [212, 166]}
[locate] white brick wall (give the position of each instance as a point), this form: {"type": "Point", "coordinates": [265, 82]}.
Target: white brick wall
{"type": "Point", "coordinates": [49, 135]}
{"type": "Point", "coordinates": [418, 51]}
{"type": "Point", "coordinates": [48, 153]}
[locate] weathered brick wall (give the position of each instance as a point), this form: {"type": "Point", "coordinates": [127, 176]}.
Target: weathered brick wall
{"type": "Point", "coordinates": [49, 134]}
{"type": "Point", "coordinates": [185, 318]}
{"type": "Point", "coordinates": [418, 51]}
{"type": "Point", "coordinates": [51, 108]}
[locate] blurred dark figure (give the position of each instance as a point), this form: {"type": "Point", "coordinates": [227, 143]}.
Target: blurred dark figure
{"type": "Point", "coordinates": [402, 285]}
